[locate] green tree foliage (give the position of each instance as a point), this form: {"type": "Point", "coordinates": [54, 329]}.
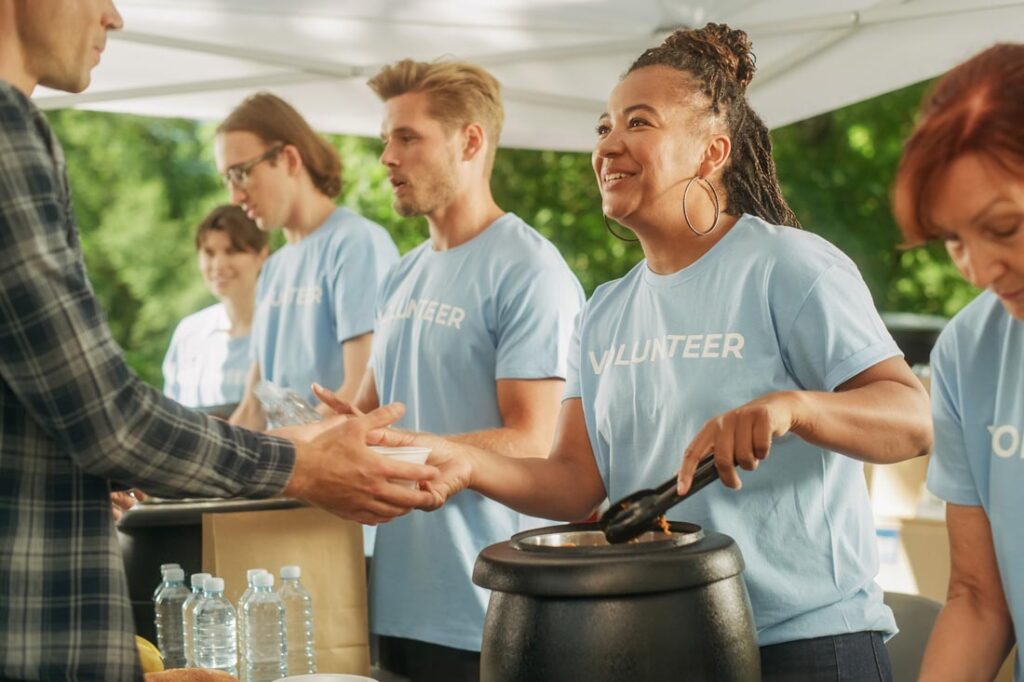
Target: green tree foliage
{"type": "Point", "coordinates": [836, 172]}
{"type": "Point", "coordinates": [141, 185]}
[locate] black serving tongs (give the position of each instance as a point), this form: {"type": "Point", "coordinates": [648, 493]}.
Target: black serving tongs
{"type": "Point", "coordinates": [635, 514]}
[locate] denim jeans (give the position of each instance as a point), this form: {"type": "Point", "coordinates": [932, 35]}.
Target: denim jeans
{"type": "Point", "coordinates": [856, 657]}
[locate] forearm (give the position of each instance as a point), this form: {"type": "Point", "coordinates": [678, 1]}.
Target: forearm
{"type": "Point", "coordinates": [508, 442]}
{"type": "Point", "coordinates": [970, 642]}
{"type": "Point", "coordinates": [549, 487]}
{"type": "Point", "coordinates": [70, 378]}
{"type": "Point", "coordinates": [552, 488]}
{"type": "Point", "coordinates": [883, 422]}
{"type": "Point", "coordinates": [355, 359]}
{"type": "Point", "coordinates": [134, 435]}
{"type": "Point", "coordinates": [349, 390]}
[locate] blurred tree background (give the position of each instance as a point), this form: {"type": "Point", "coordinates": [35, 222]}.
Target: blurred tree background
{"type": "Point", "coordinates": [141, 185]}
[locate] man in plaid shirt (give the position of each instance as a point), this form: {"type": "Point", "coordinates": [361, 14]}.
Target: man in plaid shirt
{"type": "Point", "coordinates": [73, 417]}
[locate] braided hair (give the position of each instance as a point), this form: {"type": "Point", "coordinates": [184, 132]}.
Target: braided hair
{"type": "Point", "coordinates": [721, 61]}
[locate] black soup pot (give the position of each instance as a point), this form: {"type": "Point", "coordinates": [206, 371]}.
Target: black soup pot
{"type": "Point", "coordinates": [565, 605]}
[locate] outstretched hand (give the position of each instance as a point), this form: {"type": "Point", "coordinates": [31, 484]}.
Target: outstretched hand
{"type": "Point", "coordinates": [454, 467]}
{"type": "Point", "coordinates": [336, 470]}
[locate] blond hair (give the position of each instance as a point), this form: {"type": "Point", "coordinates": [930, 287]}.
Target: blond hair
{"type": "Point", "coordinates": [274, 121]}
{"type": "Point", "coordinates": [459, 93]}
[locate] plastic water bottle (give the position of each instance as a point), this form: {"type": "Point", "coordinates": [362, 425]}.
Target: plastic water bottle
{"type": "Point", "coordinates": [187, 612]}
{"type": "Point", "coordinates": [167, 608]}
{"type": "Point", "coordinates": [163, 578]}
{"type": "Point", "coordinates": [266, 658]}
{"type": "Point", "coordinates": [298, 618]}
{"type": "Point", "coordinates": [249, 575]}
{"type": "Point", "coordinates": [283, 406]}
{"type": "Point", "coordinates": [214, 629]}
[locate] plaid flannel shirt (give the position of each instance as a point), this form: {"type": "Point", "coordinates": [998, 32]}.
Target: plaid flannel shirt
{"type": "Point", "coordinates": [73, 417]}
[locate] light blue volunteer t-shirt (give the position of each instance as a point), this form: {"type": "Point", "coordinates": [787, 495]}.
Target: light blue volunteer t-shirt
{"type": "Point", "coordinates": [449, 325]}
{"type": "Point", "coordinates": [314, 295]}
{"type": "Point", "coordinates": [766, 309]}
{"type": "Point", "coordinates": [204, 366]}
{"type": "Point", "coordinates": [978, 410]}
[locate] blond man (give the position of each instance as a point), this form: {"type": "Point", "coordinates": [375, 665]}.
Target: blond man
{"type": "Point", "coordinates": [472, 331]}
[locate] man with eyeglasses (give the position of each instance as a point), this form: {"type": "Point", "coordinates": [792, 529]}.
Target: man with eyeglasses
{"type": "Point", "coordinates": [315, 297]}
{"type": "Point", "coordinates": [73, 417]}
{"type": "Point", "coordinates": [238, 175]}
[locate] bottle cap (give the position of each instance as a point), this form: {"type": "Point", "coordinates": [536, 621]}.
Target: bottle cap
{"type": "Point", "coordinates": [174, 575]}
{"type": "Point", "coordinates": [213, 584]}
{"type": "Point", "coordinates": [263, 580]}
{"type": "Point", "coordinates": [199, 579]}
{"type": "Point", "coordinates": [253, 572]}
{"type": "Point", "coordinates": [164, 567]}
{"type": "Point", "coordinates": [291, 572]}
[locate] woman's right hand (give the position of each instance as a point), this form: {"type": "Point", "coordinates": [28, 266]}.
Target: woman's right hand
{"type": "Point", "coordinates": [456, 473]}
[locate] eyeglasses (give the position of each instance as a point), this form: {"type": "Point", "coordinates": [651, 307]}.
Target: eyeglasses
{"type": "Point", "coordinates": [238, 175]}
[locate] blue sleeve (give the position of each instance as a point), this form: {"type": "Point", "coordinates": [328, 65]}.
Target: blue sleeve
{"type": "Point", "coordinates": [834, 332]}
{"type": "Point", "coordinates": [361, 261]}
{"type": "Point", "coordinates": [573, 389]}
{"type": "Point", "coordinates": [536, 317]}
{"type": "Point", "coordinates": [949, 471]}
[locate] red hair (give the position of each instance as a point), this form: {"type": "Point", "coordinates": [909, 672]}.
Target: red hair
{"type": "Point", "coordinates": [976, 108]}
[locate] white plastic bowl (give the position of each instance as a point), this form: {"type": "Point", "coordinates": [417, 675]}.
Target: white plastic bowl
{"type": "Point", "coordinates": [408, 453]}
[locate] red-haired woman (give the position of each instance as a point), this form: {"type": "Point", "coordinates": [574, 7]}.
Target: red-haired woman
{"type": "Point", "coordinates": [961, 181]}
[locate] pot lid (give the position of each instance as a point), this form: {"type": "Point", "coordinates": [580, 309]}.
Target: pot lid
{"type": "Point", "coordinates": [575, 560]}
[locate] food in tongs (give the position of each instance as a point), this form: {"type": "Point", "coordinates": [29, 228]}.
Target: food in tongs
{"type": "Point", "coordinates": [638, 513]}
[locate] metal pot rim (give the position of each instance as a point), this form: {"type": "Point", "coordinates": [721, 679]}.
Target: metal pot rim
{"type": "Point", "coordinates": [589, 541]}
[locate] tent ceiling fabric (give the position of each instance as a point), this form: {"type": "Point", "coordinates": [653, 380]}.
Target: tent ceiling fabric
{"type": "Point", "coordinates": [557, 59]}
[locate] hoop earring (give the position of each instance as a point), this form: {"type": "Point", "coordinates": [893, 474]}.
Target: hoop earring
{"type": "Point", "coordinates": [714, 195]}
{"type": "Point", "coordinates": [615, 234]}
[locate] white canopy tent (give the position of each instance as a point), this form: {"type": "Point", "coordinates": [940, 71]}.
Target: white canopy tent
{"type": "Point", "coordinates": [557, 59]}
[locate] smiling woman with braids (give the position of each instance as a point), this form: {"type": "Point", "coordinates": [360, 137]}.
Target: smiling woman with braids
{"type": "Point", "coordinates": [738, 335]}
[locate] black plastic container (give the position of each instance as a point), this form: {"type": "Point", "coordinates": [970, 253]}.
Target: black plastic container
{"type": "Point", "coordinates": [565, 605]}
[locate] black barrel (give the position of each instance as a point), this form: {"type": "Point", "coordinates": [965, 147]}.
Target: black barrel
{"type": "Point", "coordinates": [565, 605]}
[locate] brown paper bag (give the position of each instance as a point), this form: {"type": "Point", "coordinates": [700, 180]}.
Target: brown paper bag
{"type": "Point", "coordinates": [330, 552]}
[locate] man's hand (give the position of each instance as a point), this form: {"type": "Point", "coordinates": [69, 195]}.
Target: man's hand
{"type": "Point", "coordinates": [122, 501]}
{"type": "Point", "coordinates": [330, 403]}
{"type": "Point", "coordinates": [335, 470]}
